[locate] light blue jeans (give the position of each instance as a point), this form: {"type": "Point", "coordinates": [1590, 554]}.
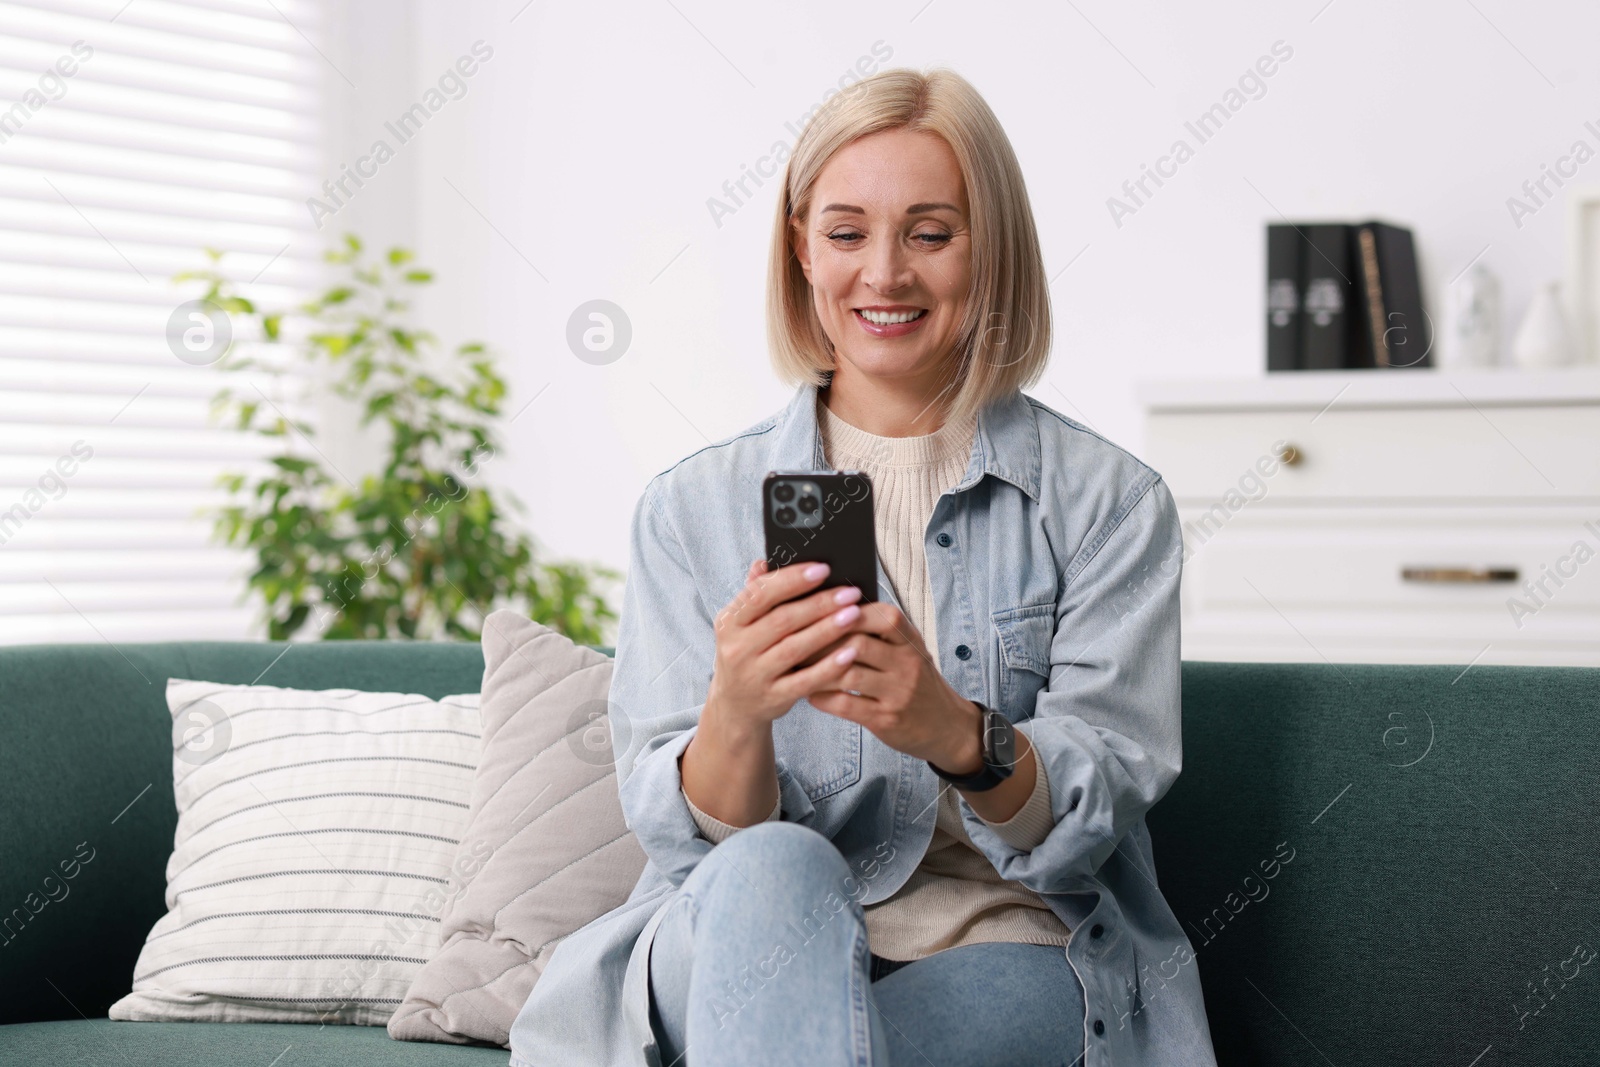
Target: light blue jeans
{"type": "Point", "coordinates": [762, 958]}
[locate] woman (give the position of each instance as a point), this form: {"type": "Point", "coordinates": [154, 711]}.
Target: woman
{"type": "Point", "coordinates": [855, 856]}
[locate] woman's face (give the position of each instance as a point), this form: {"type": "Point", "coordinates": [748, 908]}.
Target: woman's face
{"type": "Point", "coordinates": [887, 249]}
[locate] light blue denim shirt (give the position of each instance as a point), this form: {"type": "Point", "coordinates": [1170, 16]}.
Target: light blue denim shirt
{"type": "Point", "coordinates": [1054, 564]}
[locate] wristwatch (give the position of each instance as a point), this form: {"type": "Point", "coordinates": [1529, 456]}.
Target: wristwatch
{"type": "Point", "coordinates": [998, 744]}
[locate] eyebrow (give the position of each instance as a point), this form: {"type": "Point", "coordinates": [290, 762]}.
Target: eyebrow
{"type": "Point", "coordinates": [914, 209]}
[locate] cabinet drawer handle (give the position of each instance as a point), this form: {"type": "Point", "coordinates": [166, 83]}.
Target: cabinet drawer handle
{"type": "Point", "coordinates": [1458, 574]}
{"type": "Point", "coordinates": [1289, 455]}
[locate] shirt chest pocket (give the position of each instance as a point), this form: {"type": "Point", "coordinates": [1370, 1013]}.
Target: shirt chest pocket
{"type": "Point", "coordinates": [821, 752]}
{"type": "Point", "coordinates": [1024, 635]}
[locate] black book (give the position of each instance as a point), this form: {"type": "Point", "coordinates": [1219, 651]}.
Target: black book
{"type": "Point", "coordinates": [1283, 297]}
{"type": "Point", "coordinates": [1393, 330]}
{"type": "Point", "coordinates": [1325, 292]}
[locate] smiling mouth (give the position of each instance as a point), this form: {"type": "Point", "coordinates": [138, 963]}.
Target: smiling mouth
{"type": "Point", "coordinates": [891, 318]}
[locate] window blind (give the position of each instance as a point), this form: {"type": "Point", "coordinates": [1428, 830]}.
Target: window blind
{"type": "Point", "coordinates": [132, 137]}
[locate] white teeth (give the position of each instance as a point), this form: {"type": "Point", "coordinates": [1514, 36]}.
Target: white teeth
{"type": "Point", "coordinates": [889, 318]}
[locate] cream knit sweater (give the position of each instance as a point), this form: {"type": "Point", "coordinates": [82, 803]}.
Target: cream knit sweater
{"type": "Point", "coordinates": [955, 896]}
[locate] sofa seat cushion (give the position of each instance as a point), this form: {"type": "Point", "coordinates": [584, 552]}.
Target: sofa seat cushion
{"type": "Point", "coordinates": [103, 1043]}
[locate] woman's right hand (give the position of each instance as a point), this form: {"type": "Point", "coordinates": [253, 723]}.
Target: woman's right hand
{"type": "Point", "coordinates": [770, 629]}
{"type": "Point", "coordinates": [728, 768]}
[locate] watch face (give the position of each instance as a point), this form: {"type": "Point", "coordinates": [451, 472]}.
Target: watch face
{"type": "Point", "coordinates": [999, 742]}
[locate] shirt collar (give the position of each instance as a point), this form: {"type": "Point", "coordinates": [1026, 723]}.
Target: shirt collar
{"type": "Point", "coordinates": [1006, 444]}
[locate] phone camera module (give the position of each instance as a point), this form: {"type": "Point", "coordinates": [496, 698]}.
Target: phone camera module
{"type": "Point", "coordinates": [795, 504]}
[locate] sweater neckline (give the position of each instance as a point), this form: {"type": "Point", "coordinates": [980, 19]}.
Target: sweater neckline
{"type": "Point", "coordinates": [846, 442]}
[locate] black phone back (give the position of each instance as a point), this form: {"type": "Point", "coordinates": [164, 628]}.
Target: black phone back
{"type": "Point", "coordinates": [823, 517]}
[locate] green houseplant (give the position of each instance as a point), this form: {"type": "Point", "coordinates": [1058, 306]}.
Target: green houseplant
{"type": "Point", "coordinates": [419, 550]}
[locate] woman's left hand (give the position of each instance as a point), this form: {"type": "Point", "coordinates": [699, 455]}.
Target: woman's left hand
{"type": "Point", "coordinates": [903, 699]}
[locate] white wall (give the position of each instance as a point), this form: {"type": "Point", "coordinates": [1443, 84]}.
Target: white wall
{"type": "Point", "coordinates": [592, 139]}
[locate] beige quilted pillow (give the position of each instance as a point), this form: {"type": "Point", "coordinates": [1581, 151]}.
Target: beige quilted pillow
{"type": "Point", "coordinates": [545, 843]}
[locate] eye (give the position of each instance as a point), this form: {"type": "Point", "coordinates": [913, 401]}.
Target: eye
{"type": "Point", "coordinates": [931, 239]}
{"type": "Point", "coordinates": [845, 237]}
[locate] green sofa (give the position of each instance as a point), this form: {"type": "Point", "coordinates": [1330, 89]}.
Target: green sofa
{"type": "Point", "coordinates": [1375, 864]}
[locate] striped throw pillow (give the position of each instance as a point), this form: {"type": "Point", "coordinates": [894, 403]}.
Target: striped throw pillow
{"type": "Point", "coordinates": [316, 847]}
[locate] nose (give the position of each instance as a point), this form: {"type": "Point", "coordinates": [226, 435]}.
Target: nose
{"type": "Point", "coordinates": [888, 267]}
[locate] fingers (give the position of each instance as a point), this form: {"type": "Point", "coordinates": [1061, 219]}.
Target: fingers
{"type": "Point", "coordinates": [779, 622]}
{"type": "Point", "coordinates": [867, 685]}
{"type": "Point", "coordinates": [828, 624]}
{"type": "Point", "coordinates": [778, 586]}
{"type": "Point", "coordinates": [821, 676]}
{"type": "Point", "coordinates": [883, 621]}
{"type": "Point", "coordinates": [872, 652]}
{"type": "Point", "coordinates": [765, 589]}
{"type": "Point", "coordinates": [889, 623]}
{"type": "Point", "coordinates": [843, 705]}
{"type": "Point", "coordinates": [796, 615]}
{"type": "Point", "coordinates": [828, 650]}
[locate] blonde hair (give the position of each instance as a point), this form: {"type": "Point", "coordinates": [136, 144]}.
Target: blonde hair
{"type": "Point", "coordinates": [1004, 340]}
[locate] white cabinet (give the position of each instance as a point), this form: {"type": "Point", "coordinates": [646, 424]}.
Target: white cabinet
{"type": "Point", "coordinates": [1377, 516]}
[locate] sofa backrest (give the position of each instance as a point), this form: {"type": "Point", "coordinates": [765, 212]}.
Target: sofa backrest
{"type": "Point", "coordinates": [86, 788]}
{"type": "Point", "coordinates": [1389, 864]}
{"type": "Point", "coordinates": [1374, 864]}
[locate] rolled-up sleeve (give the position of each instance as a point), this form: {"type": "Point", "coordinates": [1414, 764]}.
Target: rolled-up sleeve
{"type": "Point", "coordinates": [714, 829]}
{"type": "Point", "coordinates": [1107, 727]}
{"type": "Point", "coordinates": [1033, 821]}
{"type": "Point", "coordinates": [666, 646]}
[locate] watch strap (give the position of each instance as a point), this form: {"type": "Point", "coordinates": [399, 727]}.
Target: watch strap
{"type": "Point", "coordinates": [991, 774]}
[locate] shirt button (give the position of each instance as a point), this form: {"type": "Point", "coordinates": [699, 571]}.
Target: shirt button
{"type": "Point", "coordinates": [1096, 930]}
{"type": "Point", "coordinates": [943, 540]}
{"type": "Point", "coordinates": [963, 652]}
{"type": "Point", "coordinates": [1099, 1028]}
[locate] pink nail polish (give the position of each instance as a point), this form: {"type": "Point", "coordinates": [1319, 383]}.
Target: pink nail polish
{"type": "Point", "coordinates": [847, 616]}
{"type": "Point", "coordinates": [848, 595]}
{"type": "Point", "coordinates": [845, 657]}
{"type": "Point", "coordinates": [815, 571]}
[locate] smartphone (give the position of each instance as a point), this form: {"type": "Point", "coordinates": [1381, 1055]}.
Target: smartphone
{"type": "Point", "coordinates": [823, 517]}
